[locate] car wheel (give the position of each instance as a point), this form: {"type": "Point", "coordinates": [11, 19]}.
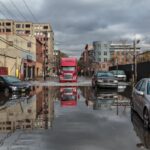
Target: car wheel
{"type": "Point", "coordinates": [132, 104]}
{"type": "Point", "coordinates": [6, 91]}
{"type": "Point", "coordinates": [146, 119]}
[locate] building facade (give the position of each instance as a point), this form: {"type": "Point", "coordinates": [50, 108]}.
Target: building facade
{"type": "Point", "coordinates": [35, 44]}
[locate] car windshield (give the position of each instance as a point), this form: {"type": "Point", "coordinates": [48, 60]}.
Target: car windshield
{"type": "Point", "coordinates": [118, 72]}
{"type": "Point", "coordinates": [68, 68]}
{"type": "Point", "coordinates": [11, 79]}
{"type": "Point", "coordinates": [148, 88]}
{"type": "Point", "coordinates": [105, 74]}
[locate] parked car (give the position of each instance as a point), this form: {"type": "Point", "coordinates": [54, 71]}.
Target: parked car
{"type": "Point", "coordinates": [141, 132]}
{"type": "Point", "coordinates": [13, 84]}
{"type": "Point", "coordinates": [141, 100]}
{"type": "Point", "coordinates": [104, 79]}
{"type": "Point", "coordinates": [120, 74]}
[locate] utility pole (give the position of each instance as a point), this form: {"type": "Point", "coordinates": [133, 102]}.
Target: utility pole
{"type": "Point", "coordinates": [135, 61]}
{"type": "Point", "coordinates": [45, 51]}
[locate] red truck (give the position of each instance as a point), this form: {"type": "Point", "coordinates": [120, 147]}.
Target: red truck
{"type": "Point", "coordinates": [68, 70]}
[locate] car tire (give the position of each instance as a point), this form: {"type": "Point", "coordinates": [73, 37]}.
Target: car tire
{"type": "Point", "coordinates": [146, 119]}
{"type": "Point", "coordinates": [132, 105]}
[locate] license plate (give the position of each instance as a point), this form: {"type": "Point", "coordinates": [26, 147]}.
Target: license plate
{"type": "Point", "coordinates": [23, 90]}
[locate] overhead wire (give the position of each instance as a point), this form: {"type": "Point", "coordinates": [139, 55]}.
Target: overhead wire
{"type": "Point", "coordinates": [20, 13]}
{"type": "Point", "coordinates": [15, 46]}
{"type": "Point", "coordinates": [8, 12]}
{"type": "Point", "coordinates": [35, 19]}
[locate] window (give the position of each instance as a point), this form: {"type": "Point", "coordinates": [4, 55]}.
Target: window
{"type": "Point", "coordinates": [29, 44]}
{"type": "Point", "coordinates": [45, 27]}
{"type": "Point", "coordinates": [103, 65]}
{"type": "Point", "coordinates": [8, 30]}
{"type": "Point", "coordinates": [18, 25]}
{"type": "Point", "coordinates": [27, 32]}
{"type": "Point", "coordinates": [143, 86]}
{"type": "Point", "coordinates": [138, 85]}
{"type": "Point", "coordinates": [105, 59]}
{"type": "Point", "coordinates": [8, 24]}
{"type": "Point", "coordinates": [105, 53]}
{"type": "Point", "coordinates": [27, 25]}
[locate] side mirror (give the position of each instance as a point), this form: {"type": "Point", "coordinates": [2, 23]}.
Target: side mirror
{"type": "Point", "coordinates": [141, 93]}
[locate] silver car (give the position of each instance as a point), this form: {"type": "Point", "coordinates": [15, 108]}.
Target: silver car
{"type": "Point", "coordinates": [141, 100]}
{"type": "Point", "coordinates": [104, 79]}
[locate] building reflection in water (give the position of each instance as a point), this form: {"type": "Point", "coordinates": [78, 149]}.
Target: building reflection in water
{"type": "Point", "coordinates": [68, 96]}
{"type": "Point", "coordinates": [27, 111]}
{"type": "Point", "coordinates": [141, 132]}
{"type": "Point", "coordinates": [105, 98]}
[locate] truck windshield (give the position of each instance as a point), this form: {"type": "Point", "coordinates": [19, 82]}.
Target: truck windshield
{"type": "Point", "coordinates": [68, 68]}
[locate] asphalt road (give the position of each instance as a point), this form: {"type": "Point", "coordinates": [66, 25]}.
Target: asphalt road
{"type": "Point", "coordinates": [95, 120]}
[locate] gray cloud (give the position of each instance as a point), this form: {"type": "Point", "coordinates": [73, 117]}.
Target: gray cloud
{"type": "Point", "coordinates": [78, 22]}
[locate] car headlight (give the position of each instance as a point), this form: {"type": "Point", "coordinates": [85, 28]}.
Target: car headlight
{"type": "Point", "coordinates": [100, 80]}
{"type": "Point", "coordinates": [115, 81]}
{"type": "Point", "coordinates": [14, 88]}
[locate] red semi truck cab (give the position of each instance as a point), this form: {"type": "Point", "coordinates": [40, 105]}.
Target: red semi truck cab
{"type": "Point", "coordinates": [68, 70]}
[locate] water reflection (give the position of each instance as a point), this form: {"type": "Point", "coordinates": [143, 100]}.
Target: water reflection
{"type": "Point", "coordinates": [141, 132]}
{"type": "Point", "coordinates": [27, 111]}
{"type": "Point", "coordinates": [68, 96]}
{"type": "Point", "coordinates": [106, 98]}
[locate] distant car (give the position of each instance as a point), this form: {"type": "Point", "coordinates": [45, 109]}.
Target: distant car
{"type": "Point", "coordinates": [141, 100]}
{"type": "Point", "coordinates": [104, 79]}
{"type": "Point", "coordinates": [120, 74]}
{"type": "Point", "coordinates": [13, 84]}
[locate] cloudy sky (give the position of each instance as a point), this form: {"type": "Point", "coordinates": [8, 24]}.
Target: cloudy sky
{"type": "Point", "coordinates": [78, 22]}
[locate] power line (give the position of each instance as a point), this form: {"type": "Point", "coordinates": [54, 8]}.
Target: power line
{"type": "Point", "coordinates": [20, 13]}
{"type": "Point", "coordinates": [3, 14]}
{"type": "Point", "coordinates": [17, 34]}
{"type": "Point", "coordinates": [15, 46]}
{"type": "Point", "coordinates": [30, 11]}
{"type": "Point", "coordinates": [3, 5]}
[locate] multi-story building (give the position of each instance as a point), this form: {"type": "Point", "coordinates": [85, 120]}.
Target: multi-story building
{"type": "Point", "coordinates": [121, 53]}
{"type": "Point", "coordinates": [44, 33]}
{"type": "Point", "coordinates": [23, 28]}
{"type": "Point", "coordinates": [102, 54]}
{"type": "Point", "coordinates": [18, 54]}
{"type": "Point", "coordinates": [6, 26]}
{"type": "Point", "coordinates": [37, 36]}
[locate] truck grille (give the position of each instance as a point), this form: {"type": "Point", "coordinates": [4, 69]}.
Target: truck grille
{"type": "Point", "coordinates": [68, 76]}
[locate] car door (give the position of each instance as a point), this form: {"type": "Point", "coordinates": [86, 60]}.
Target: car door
{"type": "Point", "coordinates": [135, 95]}
{"type": "Point", "coordinates": [142, 97]}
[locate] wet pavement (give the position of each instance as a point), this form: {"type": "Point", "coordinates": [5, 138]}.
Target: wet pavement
{"type": "Point", "coordinates": [71, 118]}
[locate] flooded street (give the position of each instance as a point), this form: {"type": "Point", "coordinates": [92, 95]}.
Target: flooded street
{"type": "Point", "coordinates": [71, 118]}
